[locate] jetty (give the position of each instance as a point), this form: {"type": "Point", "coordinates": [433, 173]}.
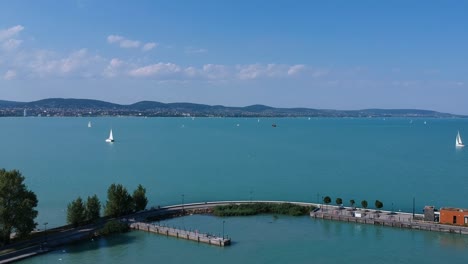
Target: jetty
{"type": "Point", "coordinates": [183, 234]}
{"type": "Point", "coordinates": [385, 218]}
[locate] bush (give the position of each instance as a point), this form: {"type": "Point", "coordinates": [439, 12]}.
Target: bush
{"type": "Point", "coordinates": [261, 208]}
{"type": "Point", "coordinates": [113, 227]}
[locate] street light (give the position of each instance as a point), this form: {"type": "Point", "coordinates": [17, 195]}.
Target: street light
{"type": "Point", "coordinates": [45, 232]}
{"type": "Point", "coordinates": [250, 196]}
{"type": "Point", "coordinates": [183, 209]}
{"type": "Point", "coordinates": [223, 228]}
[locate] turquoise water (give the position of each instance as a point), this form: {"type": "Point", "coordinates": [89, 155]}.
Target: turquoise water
{"type": "Point", "coordinates": [207, 159]}
{"type": "Point", "coordinates": [263, 239]}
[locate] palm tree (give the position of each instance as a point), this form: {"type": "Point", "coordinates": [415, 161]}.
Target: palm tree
{"type": "Point", "coordinates": [352, 203]}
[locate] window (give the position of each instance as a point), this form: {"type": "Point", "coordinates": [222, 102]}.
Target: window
{"type": "Point", "coordinates": [466, 219]}
{"type": "Point", "coordinates": [454, 219]}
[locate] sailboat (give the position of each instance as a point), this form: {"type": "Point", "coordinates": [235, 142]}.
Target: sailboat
{"type": "Point", "coordinates": [111, 138]}
{"type": "Point", "coordinates": [458, 141]}
{"type": "Point", "coordinates": [89, 124]}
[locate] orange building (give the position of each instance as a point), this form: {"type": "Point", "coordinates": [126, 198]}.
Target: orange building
{"type": "Point", "coordinates": [455, 216]}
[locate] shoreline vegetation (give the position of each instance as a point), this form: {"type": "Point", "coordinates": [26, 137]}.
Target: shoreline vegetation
{"type": "Point", "coordinates": [262, 208]}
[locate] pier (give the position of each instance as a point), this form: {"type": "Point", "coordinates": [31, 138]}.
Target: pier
{"type": "Point", "coordinates": [390, 219]}
{"type": "Point", "coordinates": [183, 234]}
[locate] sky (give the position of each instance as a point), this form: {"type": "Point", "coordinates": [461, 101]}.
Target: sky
{"type": "Point", "coordinates": [316, 54]}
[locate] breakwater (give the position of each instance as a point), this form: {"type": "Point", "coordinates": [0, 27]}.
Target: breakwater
{"type": "Point", "coordinates": [398, 220]}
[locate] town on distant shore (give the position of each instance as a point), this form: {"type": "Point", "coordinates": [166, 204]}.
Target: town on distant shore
{"type": "Point", "coordinates": [60, 107]}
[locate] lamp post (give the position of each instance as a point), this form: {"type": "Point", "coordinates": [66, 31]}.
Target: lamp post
{"type": "Point", "coordinates": [223, 228]}
{"type": "Point", "coordinates": [183, 209]}
{"type": "Point", "coordinates": [250, 196]}
{"type": "Point", "coordinates": [321, 206]}
{"type": "Point", "coordinates": [45, 232]}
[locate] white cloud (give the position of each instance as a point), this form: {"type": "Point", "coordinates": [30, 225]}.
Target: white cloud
{"type": "Point", "coordinates": [295, 69]}
{"type": "Point", "coordinates": [149, 46]}
{"type": "Point", "coordinates": [158, 69]}
{"type": "Point", "coordinates": [253, 71]}
{"type": "Point", "coordinates": [11, 44]}
{"type": "Point", "coordinates": [192, 50]}
{"type": "Point", "coordinates": [9, 75]}
{"type": "Point", "coordinates": [114, 68]}
{"type": "Point", "coordinates": [123, 42]}
{"type": "Point", "coordinates": [10, 32]}
{"type": "Point", "coordinates": [80, 62]}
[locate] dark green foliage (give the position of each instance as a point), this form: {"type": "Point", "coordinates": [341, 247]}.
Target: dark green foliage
{"type": "Point", "coordinates": [76, 212]}
{"type": "Point", "coordinates": [352, 202]}
{"type": "Point", "coordinates": [364, 204]}
{"type": "Point", "coordinates": [113, 227]}
{"type": "Point", "coordinates": [139, 198]}
{"type": "Point", "coordinates": [17, 205]}
{"type": "Point", "coordinates": [378, 204]}
{"type": "Point", "coordinates": [119, 201]}
{"type": "Point", "coordinates": [339, 201]}
{"type": "Point", "coordinates": [261, 208]}
{"type": "Point", "coordinates": [327, 200]}
{"type": "Point", "coordinates": [93, 208]}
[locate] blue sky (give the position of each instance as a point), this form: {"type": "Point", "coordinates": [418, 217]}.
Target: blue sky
{"type": "Point", "coordinates": [318, 54]}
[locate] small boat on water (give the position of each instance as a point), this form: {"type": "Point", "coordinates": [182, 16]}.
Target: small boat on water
{"type": "Point", "coordinates": [273, 125]}
{"type": "Point", "coordinates": [111, 138]}
{"type": "Point", "coordinates": [458, 141]}
{"type": "Point", "coordinates": [89, 124]}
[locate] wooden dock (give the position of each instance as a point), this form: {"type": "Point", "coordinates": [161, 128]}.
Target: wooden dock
{"type": "Point", "coordinates": [183, 234]}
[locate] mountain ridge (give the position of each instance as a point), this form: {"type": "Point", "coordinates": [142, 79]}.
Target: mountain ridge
{"type": "Point", "coordinates": [92, 107]}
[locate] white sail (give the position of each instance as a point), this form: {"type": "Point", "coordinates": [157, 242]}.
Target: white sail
{"type": "Point", "coordinates": [111, 137]}
{"type": "Point", "coordinates": [89, 124]}
{"type": "Point", "coordinates": [458, 140]}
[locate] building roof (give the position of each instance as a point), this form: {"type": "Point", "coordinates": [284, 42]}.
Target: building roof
{"type": "Point", "coordinates": [454, 209]}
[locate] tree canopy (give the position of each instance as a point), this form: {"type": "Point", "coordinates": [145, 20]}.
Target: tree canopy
{"type": "Point", "coordinates": [93, 208]}
{"type": "Point", "coordinates": [327, 200]}
{"type": "Point", "coordinates": [352, 202]}
{"type": "Point", "coordinates": [119, 201]}
{"type": "Point", "coordinates": [139, 198]}
{"type": "Point", "coordinates": [378, 204]}
{"type": "Point", "coordinates": [76, 212]}
{"type": "Point", "coordinates": [364, 204]}
{"type": "Point", "coordinates": [17, 206]}
{"type": "Point", "coordinates": [339, 201]}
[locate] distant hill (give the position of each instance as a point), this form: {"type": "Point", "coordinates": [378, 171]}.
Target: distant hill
{"type": "Point", "coordinates": [88, 107]}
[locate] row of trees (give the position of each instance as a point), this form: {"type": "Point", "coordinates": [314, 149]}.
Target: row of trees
{"type": "Point", "coordinates": [119, 202]}
{"type": "Point", "coordinates": [378, 204]}
{"type": "Point", "coordinates": [17, 206]}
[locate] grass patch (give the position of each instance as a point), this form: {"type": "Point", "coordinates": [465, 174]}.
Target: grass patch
{"type": "Point", "coordinates": [261, 208]}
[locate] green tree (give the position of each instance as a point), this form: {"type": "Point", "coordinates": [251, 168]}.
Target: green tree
{"type": "Point", "coordinates": [139, 198]}
{"type": "Point", "coordinates": [378, 204]}
{"type": "Point", "coordinates": [76, 212]}
{"type": "Point", "coordinates": [352, 202]}
{"type": "Point", "coordinates": [17, 205]}
{"type": "Point", "coordinates": [364, 204]}
{"type": "Point", "coordinates": [119, 201]}
{"type": "Point", "coordinates": [339, 201]}
{"type": "Point", "coordinates": [327, 199]}
{"type": "Point", "coordinates": [93, 208]}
